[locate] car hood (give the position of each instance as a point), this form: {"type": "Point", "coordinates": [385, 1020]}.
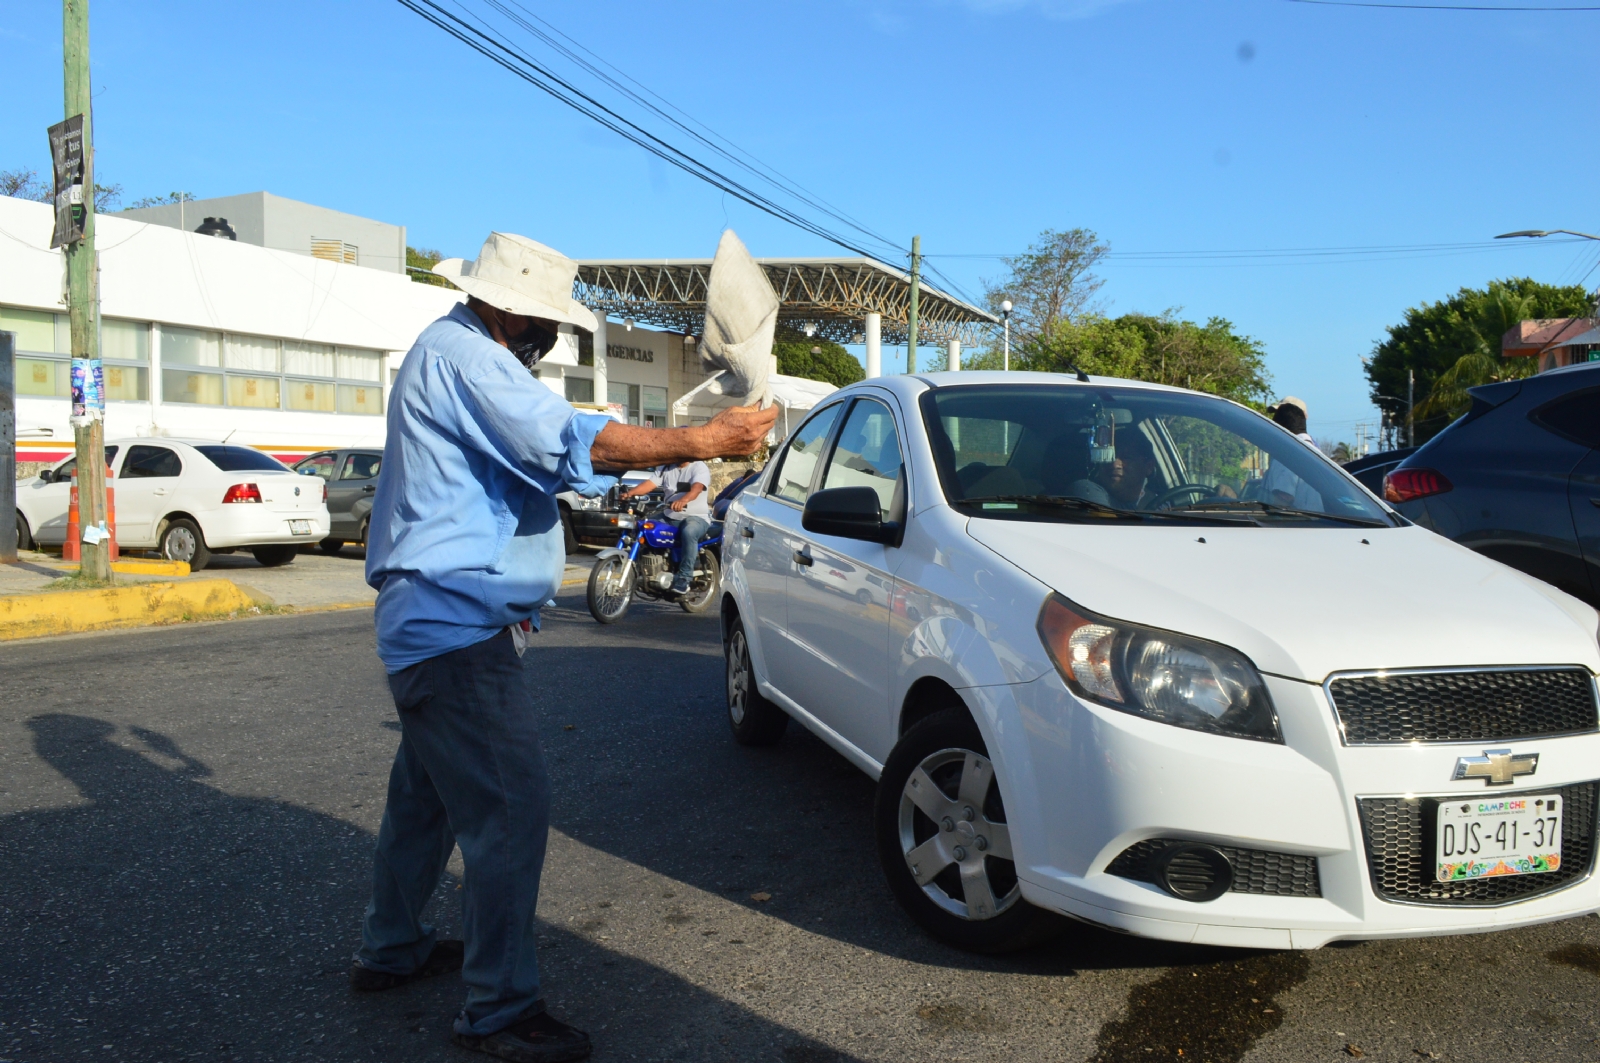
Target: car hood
{"type": "Point", "coordinates": [1305, 602]}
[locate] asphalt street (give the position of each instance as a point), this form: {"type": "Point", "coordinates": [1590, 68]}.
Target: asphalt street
{"type": "Point", "coordinates": [186, 824]}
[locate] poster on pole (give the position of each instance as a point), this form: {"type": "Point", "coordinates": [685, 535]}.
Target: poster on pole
{"type": "Point", "coordinates": [66, 157]}
{"type": "Point", "coordinates": [88, 391]}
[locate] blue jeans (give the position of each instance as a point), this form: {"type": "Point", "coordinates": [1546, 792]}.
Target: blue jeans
{"type": "Point", "coordinates": [690, 532]}
{"type": "Point", "coordinates": [469, 771]}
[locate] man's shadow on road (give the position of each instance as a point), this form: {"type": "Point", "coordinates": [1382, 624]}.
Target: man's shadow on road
{"type": "Point", "coordinates": [169, 920]}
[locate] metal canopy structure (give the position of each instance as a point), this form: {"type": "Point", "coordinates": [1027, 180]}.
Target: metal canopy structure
{"type": "Point", "coordinates": [832, 295]}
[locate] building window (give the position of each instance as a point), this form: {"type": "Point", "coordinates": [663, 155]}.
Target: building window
{"type": "Point", "coordinates": [580, 389]}
{"type": "Point", "coordinates": [626, 396]}
{"type": "Point", "coordinates": [585, 347]}
{"type": "Point", "coordinates": [44, 355]}
{"type": "Point", "coordinates": [261, 373]}
{"type": "Point", "coordinates": [654, 406]}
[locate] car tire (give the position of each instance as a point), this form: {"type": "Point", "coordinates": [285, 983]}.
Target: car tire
{"type": "Point", "coordinates": [181, 540]}
{"type": "Point", "coordinates": [274, 556]}
{"type": "Point", "coordinates": [567, 534]}
{"type": "Point", "coordinates": [971, 898]}
{"type": "Point", "coordinates": [366, 522]}
{"type": "Point", "coordinates": [331, 546]}
{"type": "Point", "coordinates": [24, 535]}
{"type": "Point", "coordinates": [703, 591]}
{"type": "Point", "coordinates": [755, 720]}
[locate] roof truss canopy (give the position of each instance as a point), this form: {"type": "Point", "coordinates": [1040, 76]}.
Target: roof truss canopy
{"type": "Point", "coordinates": [830, 295]}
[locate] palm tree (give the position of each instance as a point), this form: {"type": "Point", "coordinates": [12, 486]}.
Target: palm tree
{"type": "Point", "coordinates": [1487, 319]}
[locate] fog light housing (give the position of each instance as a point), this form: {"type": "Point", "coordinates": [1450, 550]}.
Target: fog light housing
{"type": "Point", "coordinates": [1194, 872]}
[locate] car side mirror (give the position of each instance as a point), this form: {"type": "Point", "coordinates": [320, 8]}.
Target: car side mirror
{"type": "Point", "coordinates": [850, 513]}
{"type": "Point", "coordinates": [44, 476]}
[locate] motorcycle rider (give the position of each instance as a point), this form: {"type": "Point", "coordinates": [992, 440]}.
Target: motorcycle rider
{"type": "Point", "coordinates": [685, 484]}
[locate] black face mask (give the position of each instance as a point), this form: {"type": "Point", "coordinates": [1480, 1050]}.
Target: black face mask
{"type": "Point", "coordinates": [533, 344]}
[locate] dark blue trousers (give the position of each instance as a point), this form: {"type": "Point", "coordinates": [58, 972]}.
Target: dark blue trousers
{"type": "Point", "coordinates": [469, 772]}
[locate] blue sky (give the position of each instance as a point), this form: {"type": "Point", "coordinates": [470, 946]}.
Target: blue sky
{"type": "Point", "coordinates": [1163, 125]}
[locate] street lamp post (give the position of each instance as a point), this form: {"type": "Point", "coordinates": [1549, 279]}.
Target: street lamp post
{"type": "Point", "coordinates": [1005, 317]}
{"type": "Point", "coordinates": [1536, 233]}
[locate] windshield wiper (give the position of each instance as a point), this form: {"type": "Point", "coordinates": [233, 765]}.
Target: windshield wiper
{"type": "Point", "coordinates": [1086, 505]}
{"type": "Point", "coordinates": [1253, 505]}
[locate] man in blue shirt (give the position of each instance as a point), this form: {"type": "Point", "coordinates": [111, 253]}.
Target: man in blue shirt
{"type": "Point", "coordinates": [464, 544]}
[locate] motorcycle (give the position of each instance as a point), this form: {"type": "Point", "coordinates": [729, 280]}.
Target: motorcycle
{"type": "Point", "coordinates": [645, 561]}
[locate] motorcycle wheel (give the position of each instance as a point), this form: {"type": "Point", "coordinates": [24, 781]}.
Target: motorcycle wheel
{"type": "Point", "coordinates": [703, 591]}
{"type": "Point", "coordinates": [608, 599]}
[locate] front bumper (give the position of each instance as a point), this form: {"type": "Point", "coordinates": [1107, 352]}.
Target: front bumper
{"type": "Point", "coordinates": [597, 527]}
{"type": "Point", "coordinates": [1085, 783]}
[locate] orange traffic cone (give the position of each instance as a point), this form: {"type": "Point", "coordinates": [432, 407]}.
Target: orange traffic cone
{"type": "Point", "coordinates": [111, 514]}
{"type": "Point", "coordinates": [69, 549]}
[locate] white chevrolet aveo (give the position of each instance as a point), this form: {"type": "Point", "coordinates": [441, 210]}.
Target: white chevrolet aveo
{"type": "Point", "coordinates": [1140, 657]}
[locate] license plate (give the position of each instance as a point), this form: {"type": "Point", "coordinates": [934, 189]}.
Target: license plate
{"type": "Point", "coordinates": [299, 527]}
{"type": "Point", "coordinates": [1488, 836]}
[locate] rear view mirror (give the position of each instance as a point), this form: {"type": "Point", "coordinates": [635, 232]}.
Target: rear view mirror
{"type": "Point", "coordinates": [850, 513]}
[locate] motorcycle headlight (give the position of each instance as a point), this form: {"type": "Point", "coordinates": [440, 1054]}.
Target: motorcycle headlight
{"type": "Point", "coordinates": [625, 522]}
{"type": "Point", "coordinates": [1161, 675]}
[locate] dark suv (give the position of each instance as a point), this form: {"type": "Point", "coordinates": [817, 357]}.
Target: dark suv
{"type": "Point", "coordinates": [352, 479]}
{"type": "Point", "coordinates": [1517, 478]}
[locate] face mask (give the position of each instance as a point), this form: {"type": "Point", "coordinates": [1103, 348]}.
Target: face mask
{"type": "Point", "coordinates": [533, 345]}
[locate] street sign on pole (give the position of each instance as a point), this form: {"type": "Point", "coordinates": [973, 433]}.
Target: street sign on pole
{"type": "Point", "coordinates": [911, 309]}
{"type": "Point", "coordinates": [8, 446]}
{"type": "Point", "coordinates": [67, 160]}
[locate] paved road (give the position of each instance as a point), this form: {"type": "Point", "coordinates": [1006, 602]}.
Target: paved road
{"type": "Point", "coordinates": [186, 819]}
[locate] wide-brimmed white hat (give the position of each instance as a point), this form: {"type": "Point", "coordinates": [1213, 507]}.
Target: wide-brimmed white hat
{"type": "Point", "coordinates": [520, 276]}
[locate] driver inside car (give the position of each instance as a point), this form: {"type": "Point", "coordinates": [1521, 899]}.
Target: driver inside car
{"type": "Point", "coordinates": [1121, 483]}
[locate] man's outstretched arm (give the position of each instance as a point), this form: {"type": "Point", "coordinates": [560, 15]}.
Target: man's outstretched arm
{"type": "Point", "coordinates": [733, 433]}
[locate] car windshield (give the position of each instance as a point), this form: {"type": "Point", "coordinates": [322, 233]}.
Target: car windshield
{"type": "Point", "coordinates": [240, 459]}
{"type": "Point", "coordinates": [1091, 452]}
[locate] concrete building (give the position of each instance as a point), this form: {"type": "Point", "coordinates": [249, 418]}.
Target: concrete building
{"type": "Point", "coordinates": [270, 221]}
{"type": "Point", "coordinates": [1555, 342]}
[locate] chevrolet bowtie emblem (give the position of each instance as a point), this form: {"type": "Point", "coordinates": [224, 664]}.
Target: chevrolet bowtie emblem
{"type": "Point", "coordinates": [1497, 767]}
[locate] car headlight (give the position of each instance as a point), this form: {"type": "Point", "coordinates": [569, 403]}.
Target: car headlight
{"type": "Point", "coordinates": [1161, 675]}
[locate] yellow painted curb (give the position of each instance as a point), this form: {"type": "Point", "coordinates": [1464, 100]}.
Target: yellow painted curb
{"type": "Point", "coordinates": [25, 616]}
{"type": "Point", "coordinates": [133, 566]}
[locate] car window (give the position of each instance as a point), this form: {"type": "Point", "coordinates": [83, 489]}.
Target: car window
{"type": "Point", "coordinates": [70, 469]}
{"type": "Point", "coordinates": [1576, 416]}
{"type": "Point", "coordinates": [318, 465]}
{"type": "Point", "coordinates": [361, 466]}
{"type": "Point", "coordinates": [145, 461]}
{"type": "Point", "coordinates": [240, 459]}
{"type": "Point", "coordinates": [800, 457]}
{"type": "Point", "coordinates": [868, 455]}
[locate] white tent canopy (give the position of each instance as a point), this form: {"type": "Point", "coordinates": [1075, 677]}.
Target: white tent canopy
{"type": "Point", "coordinates": [791, 394]}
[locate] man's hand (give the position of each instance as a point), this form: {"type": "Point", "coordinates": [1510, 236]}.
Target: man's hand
{"type": "Point", "coordinates": [733, 433]}
{"type": "Point", "coordinates": [678, 506]}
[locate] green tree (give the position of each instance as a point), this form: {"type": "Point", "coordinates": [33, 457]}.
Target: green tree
{"type": "Point", "coordinates": [1454, 344]}
{"type": "Point", "coordinates": [815, 359]}
{"type": "Point", "coordinates": [1050, 283]}
{"type": "Point", "coordinates": [24, 183]}
{"type": "Point", "coordinates": [1162, 349]}
{"type": "Point", "coordinates": [170, 199]}
{"type": "Point", "coordinates": [419, 260]}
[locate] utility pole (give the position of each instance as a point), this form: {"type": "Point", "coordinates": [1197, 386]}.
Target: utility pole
{"type": "Point", "coordinates": [911, 314]}
{"type": "Point", "coordinates": [88, 423]}
{"type": "Point", "coordinates": [1411, 394]}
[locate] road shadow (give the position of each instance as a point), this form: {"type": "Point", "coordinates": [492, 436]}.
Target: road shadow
{"type": "Point", "coordinates": [161, 919]}
{"type": "Point", "coordinates": [644, 768]}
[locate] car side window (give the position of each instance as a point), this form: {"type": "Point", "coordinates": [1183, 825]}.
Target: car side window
{"type": "Point", "coordinates": [868, 455]}
{"type": "Point", "coordinates": [800, 457]}
{"type": "Point", "coordinates": [1576, 416]}
{"type": "Point", "coordinates": [150, 461]}
{"type": "Point", "coordinates": [318, 465]}
{"type": "Point", "coordinates": [70, 469]}
{"type": "Point", "coordinates": [361, 466]}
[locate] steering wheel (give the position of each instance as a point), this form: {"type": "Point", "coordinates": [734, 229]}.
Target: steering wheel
{"type": "Point", "coordinates": [1166, 498]}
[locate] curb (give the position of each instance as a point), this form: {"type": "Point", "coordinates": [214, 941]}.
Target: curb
{"type": "Point", "coordinates": [25, 616]}
{"type": "Point", "coordinates": [131, 567]}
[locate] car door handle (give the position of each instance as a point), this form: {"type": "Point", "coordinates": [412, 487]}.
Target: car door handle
{"type": "Point", "coordinates": [367, 490]}
{"type": "Point", "coordinates": [747, 531]}
{"type": "Point", "coordinates": [159, 491]}
{"type": "Point", "coordinates": [801, 558]}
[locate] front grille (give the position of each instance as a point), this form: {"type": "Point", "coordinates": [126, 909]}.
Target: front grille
{"type": "Point", "coordinates": [1254, 870]}
{"type": "Point", "coordinates": [1399, 833]}
{"type": "Point", "coordinates": [1464, 706]}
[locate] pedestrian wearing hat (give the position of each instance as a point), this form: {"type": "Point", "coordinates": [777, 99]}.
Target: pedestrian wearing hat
{"type": "Point", "coordinates": [1280, 486]}
{"type": "Point", "coordinates": [465, 545]}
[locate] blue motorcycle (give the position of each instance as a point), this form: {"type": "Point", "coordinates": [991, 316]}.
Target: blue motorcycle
{"type": "Point", "coordinates": [645, 561]}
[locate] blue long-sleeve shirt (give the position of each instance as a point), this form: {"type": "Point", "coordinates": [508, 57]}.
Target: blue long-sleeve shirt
{"type": "Point", "coordinates": [465, 536]}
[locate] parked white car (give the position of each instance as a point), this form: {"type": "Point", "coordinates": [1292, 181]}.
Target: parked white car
{"type": "Point", "coordinates": [188, 499]}
{"type": "Point", "coordinates": [1137, 656]}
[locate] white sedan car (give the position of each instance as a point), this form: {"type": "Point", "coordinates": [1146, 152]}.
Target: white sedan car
{"type": "Point", "coordinates": [187, 500]}
{"type": "Point", "coordinates": [1138, 656]}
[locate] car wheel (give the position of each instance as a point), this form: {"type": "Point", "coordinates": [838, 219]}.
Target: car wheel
{"type": "Point", "coordinates": [181, 541]}
{"type": "Point", "coordinates": [24, 536]}
{"type": "Point", "coordinates": [703, 591]}
{"type": "Point", "coordinates": [755, 720]}
{"type": "Point", "coordinates": [944, 844]}
{"type": "Point", "coordinates": [273, 556]}
{"type": "Point", "coordinates": [331, 546]}
{"type": "Point", "coordinates": [566, 531]}
{"type": "Point", "coordinates": [365, 523]}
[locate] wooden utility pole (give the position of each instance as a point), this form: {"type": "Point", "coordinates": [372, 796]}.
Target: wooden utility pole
{"type": "Point", "coordinates": [911, 313]}
{"type": "Point", "coordinates": [83, 303]}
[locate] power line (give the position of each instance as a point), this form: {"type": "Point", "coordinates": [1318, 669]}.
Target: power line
{"type": "Point", "coordinates": [1279, 253]}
